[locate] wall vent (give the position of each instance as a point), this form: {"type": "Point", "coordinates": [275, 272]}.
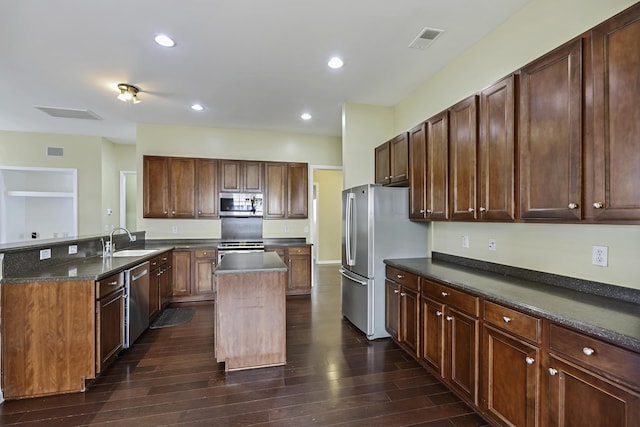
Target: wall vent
{"type": "Point", "coordinates": [55, 151]}
{"type": "Point", "coordinates": [69, 113]}
{"type": "Point", "coordinates": [427, 36]}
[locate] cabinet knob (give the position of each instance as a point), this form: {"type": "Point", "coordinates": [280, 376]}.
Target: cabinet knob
{"type": "Point", "coordinates": [449, 318]}
{"type": "Point", "coordinates": [422, 211]}
{"type": "Point", "coordinates": [115, 282]}
{"type": "Point", "coordinates": [403, 294]}
{"type": "Point", "coordinates": [204, 253]}
{"type": "Point", "coordinates": [438, 313]}
{"type": "Point", "coordinates": [387, 177]}
{"type": "Point", "coordinates": [529, 360]}
{"type": "Point", "coordinates": [429, 211]}
{"type": "Point", "coordinates": [165, 212]}
{"type": "Point", "coordinates": [199, 212]}
{"type": "Point", "coordinates": [395, 291]}
{"type": "Point", "coordinates": [399, 276]}
{"type": "Point", "coordinates": [598, 205]}
{"type": "Point", "coordinates": [588, 351]}
{"type": "Point", "coordinates": [553, 372]}
{"type": "Point", "coordinates": [173, 212]}
{"type": "Point", "coordinates": [471, 210]}
{"type": "Point", "coordinates": [483, 209]}
{"type": "Point", "coordinates": [506, 319]}
{"type": "Point", "coordinates": [573, 206]}
{"type": "Point", "coordinates": [444, 294]}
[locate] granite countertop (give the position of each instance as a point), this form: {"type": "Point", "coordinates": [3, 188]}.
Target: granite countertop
{"type": "Point", "coordinates": [252, 262]}
{"type": "Point", "coordinates": [611, 319]}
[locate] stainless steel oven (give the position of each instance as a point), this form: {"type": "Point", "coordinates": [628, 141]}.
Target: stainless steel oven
{"type": "Point", "coordinates": [225, 248]}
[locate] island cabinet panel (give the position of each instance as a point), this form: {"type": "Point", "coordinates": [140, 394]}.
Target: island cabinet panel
{"type": "Point", "coordinates": [550, 136]}
{"type": "Point", "coordinates": [463, 148]}
{"type": "Point", "coordinates": [48, 332]}
{"type": "Point", "coordinates": [616, 118]}
{"type": "Point", "coordinates": [437, 167]}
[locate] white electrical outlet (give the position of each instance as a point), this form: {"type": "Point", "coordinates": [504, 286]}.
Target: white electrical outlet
{"type": "Point", "coordinates": [465, 242]}
{"type": "Point", "coordinates": [286, 228]}
{"type": "Point", "coordinates": [73, 249]}
{"type": "Point", "coordinates": [134, 237]}
{"type": "Point", "coordinates": [492, 244]}
{"type": "Point", "coordinates": [174, 229]}
{"type": "Point", "coordinates": [45, 254]}
{"type": "Point", "coordinates": [600, 256]}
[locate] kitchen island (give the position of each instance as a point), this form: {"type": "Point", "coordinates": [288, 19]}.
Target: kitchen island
{"type": "Point", "coordinates": [250, 310]}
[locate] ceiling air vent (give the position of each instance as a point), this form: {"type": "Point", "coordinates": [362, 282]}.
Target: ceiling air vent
{"type": "Point", "coordinates": [69, 113]}
{"type": "Point", "coordinates": [55, 151]}
{"type": "Point", "coordinates": [425, 38]}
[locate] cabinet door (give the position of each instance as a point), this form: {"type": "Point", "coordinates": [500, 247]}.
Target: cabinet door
{"type": "Point", "coordinates": [109, 328]}
{"type": "Point", "coordinates": [463, 122]}
{"type": "Point", "coordinates": [182, 187]}
{"type": "Point", "coordinates": [437, 167]}
{"type": "Point", "coordinates": [252, 177]}
{"type": "Point", "coordinates": [206, 188]}
{"type": "Point", "coordinates": [510, 389]}
{"type": "Point", "coordinates": [181, 273]}
{"type": "Point", "coordinates": [496, 154]}
{"type": "Point", "coordinates": [275, 201]}
{"type": "Point", "coordinates": [298, 189]}
{"type": "Point", "coordinates": [382, 167]}
{"type": "Point", "coordinates": [156, 187]}
{"type": "Point", "coordinates": [418, 172]}
{"type": "Point", "coordinates": [462, 353]}
{"type": "Point", "coordinates": [392, 308]}
{"type": "Point", "coordinates": [550, 143]}
{"type": "Point", "coordinates": [409, 335]}
{"type": "Point", "coordinates": [165, 285]}
{"type": "Point", "coordinates": [432, 334]}
{"type": "Point", "coordinates": [230, 177]}
{"type": "Point", "coordinates": [299, 263]}
{"type": "Point", "coordinates": [203, 276]}
{"type": "Point", "coordinates": [399, 160]}
{"type": "Point", "coordinates": [154, 293]}
{"type": "Point", "coordinates": [577, 397]}
{"type": "Point", "coordinates": [616, 118]}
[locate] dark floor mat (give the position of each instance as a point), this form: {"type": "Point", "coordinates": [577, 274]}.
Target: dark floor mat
{"type": "Point", "coordinates": [173, 317]}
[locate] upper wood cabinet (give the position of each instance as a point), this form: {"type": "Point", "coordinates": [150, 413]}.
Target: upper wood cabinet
{"type": "Point", "coordinates": [418, 172]}
{"type": "Point", "coordinates": [496, 152]}
{"type": "Point", "coordinates": [392, 161]}
{"type": "Point", "coordinates": [463, 145]}
{"type": "Point", "coordinates": [241, 176]}
{"type": "Point", "coordinates": [437, 207]}
{"type": "Point", "coordinates": [616, 118]}
{"type": "Point", "coordinates": [550, 140]}
{"type": "Point", "coordinates": [206, 188]}
{"type": "Point", "coordinates": [286, 190]}
{"type": "Point", "coordinates": [168, 187]}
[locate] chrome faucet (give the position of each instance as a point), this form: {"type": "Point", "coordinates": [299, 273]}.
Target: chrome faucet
{"type": "Point", "coordinates": [109, 247]}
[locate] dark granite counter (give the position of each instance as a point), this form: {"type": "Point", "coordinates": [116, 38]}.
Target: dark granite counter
{"type": "Point", "coordinates": [253, 262]}
{"type": "Point", "coordinates": [611, 319]}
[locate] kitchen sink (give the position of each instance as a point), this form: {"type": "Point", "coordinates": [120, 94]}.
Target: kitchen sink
{"type": "Point", "coordinates": [134, 252]}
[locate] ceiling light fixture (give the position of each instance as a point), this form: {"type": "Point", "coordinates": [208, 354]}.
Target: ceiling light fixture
{"type": "Point", "coordinates": [335, 62]}
{"type": "Point", "coordinates": [128, 93]}
{"type": "Point", "coordinates": [197, 107]}
{"type": "Point", "coordinates": [164, 40]}
{"type": "Point", "coordinates": [305, 116]}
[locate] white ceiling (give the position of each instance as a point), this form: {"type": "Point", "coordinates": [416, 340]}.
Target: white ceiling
{"type": "Point", "coordinates": [254, 64]}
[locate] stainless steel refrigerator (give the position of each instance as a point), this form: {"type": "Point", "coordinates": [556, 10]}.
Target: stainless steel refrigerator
{"type": "Point", "coordinates": [375, 226]}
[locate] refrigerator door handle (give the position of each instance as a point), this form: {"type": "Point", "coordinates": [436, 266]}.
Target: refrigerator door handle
{"type": "Point", "coordinates": [353, 279]}
{"type": "Point", "coordinates": [351, 260]}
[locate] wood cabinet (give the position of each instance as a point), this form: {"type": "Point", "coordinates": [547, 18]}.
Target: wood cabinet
{"type": "Point", "coordinates": [496, 152]}
{"type": "Point", "coordinates": [206, 188]}
{"type": "Point", "coordinates": [204, 262]}
{"type": "Point", "coordinates": [160, 281]}
{"type": "Point", "coordinates": [109, 320]}
{"type": "Point", "coordinates": [616, 119]}
{"type": "Point", "coordinates": [286, 190]}
{"type": "Point", "coordinates": [437, 207]}
{"type": "Point", "coordinates": [463, 151]}
{"type": "Point", "coordinates": [241, 176]}
{"type": "Point", "coordinates": [403, 292]}
{"type": "Point", "coordinates": [550, 136]}
{"type": "Point", "coordinates": [510, 392]}
{"type": "Point", "coordinates": [298, 262]}
{"type": "Point", "coordinates": [192, 274]}
{"type": "Point", "coordinates": [392, 161]}
{"type": "Point", "coordinates": [418, 172]}
{"type": "Point", "coordinates": [154, 289]}
{"type": "Point", "coordinates": [169, 187]}
{"type": "Point", "coordinates": [181, 273]}
{"type": "Point", "coordinates": [589, 382]}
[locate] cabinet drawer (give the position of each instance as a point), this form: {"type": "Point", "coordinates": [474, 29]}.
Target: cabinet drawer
{"type": "Point", "coordinates": [406, 279]}
{"type": "Point", "coordinates": [205, 253]}
{"type": "Point", "coordinates": [164, 258]}
{"type": "Point", "coordinates": [154, 262]}
{"type": "Point", "coordinates": [517, 323]}
{"type": "Point", "coordinates": [593, 353]}
{"type": "Point", "coordinates": [109, 284]}
{"type": "Point", "coordinates": [460, 300]}
{"type": "Point", "coordinates": [299, 250]}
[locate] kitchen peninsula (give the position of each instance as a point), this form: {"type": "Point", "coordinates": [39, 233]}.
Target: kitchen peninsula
{"type": "Point", "coordinates": [250, 311]}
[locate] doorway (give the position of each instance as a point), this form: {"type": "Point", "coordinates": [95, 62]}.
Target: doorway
{"type": "Point", "coordinates": [326, 212]}
{"type": "Point", "coordinates": [128, 191]}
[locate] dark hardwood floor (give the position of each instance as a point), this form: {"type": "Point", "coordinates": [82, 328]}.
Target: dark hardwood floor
{"type": "Point", "coordinates": [333, 376]}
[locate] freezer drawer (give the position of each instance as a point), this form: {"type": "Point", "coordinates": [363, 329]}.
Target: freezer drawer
{"type": "Point", "coordinates": [355, 303]}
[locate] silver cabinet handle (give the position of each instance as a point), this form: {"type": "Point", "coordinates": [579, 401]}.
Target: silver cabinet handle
{"type": "Point", "coordinates": [403, 294]}
{"type": "Point", "coordinates": [115, 282]}
{"type": "Point", "coordinates": [449, 318]}
{"type": "Point", "coordinates": [399, 276]}
{"type": "Point", "coordinates": [395, 291]}
{"type": "Point", "coordinates": [483, 209]}
{"type": "Point", "coordinates": [598, 205]}
{"type": "Point", "coordinates": [444, 294]}
{"type": "Point", "coordinates": [553, 372]}
{"type": "Point", "coordinates": [438, 313]}
{"type": "Point", "coordinates": [471, 210]}
{"type": "Point", "coordinates": [588, 351]}
{"type": "Point", "coordinates": [529, 360]}
{"type": "Point", "coordinates": [506, 319]}
{"type": "Point", "coordinates": [573, 206]}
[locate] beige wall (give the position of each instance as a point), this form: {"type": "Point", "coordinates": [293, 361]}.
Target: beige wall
{"type": "Point", "coordinates": [537, 28]}
{"type": "Point", "coordinates": [329, 223]}
{"type": "Point", "coordinates": [169, 140]}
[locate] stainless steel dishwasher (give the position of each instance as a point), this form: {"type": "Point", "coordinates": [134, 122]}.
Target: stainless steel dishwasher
{"type": "Point", "coordinates": [136, 308]}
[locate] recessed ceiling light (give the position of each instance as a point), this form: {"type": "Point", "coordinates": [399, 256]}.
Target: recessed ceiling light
{"type": "Point", "coordinates": [305, 116]}
{"type": "Point", "coordinates": [335, 62]}
{"type": "Point", "coordinates": [197, 107]}
{"type": "Point", "coordinates": [164, 40]}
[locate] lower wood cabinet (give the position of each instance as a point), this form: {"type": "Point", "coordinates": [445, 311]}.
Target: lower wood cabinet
{"type": "Point", "coordinates": [193, 274]}
{"type": "Point", "coordinates": [109, 320]}
{"type": "Point", "coordinates": [159, 283]}
{"type": "Point", "coordinates": [298, 262]}
{"type": "Point", "coordinates": [403, 309]}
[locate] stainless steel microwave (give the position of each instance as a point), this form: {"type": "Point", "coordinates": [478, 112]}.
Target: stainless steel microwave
{"type": "Point", "coordinates": [241, 204]}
